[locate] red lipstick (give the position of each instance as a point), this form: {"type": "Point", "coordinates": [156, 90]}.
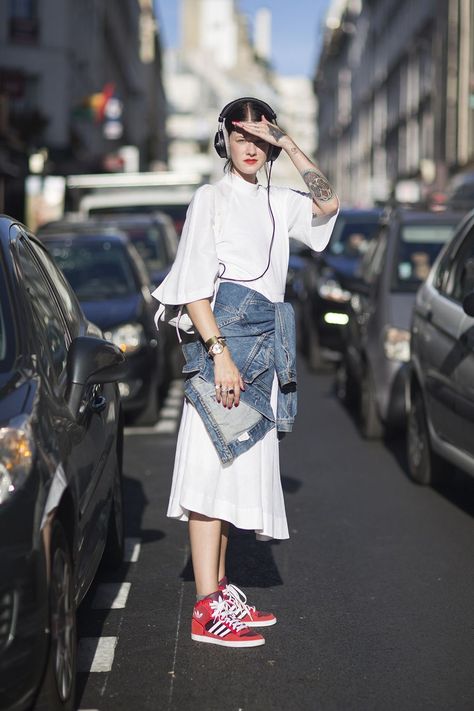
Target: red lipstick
{"type": "Point", "coordinates": [250, 161]}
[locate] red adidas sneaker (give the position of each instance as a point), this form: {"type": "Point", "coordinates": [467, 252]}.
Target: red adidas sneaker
{"type": "Point", "coordinates": [214, 622]}
{"type": "Point", "coordinates": [247, 614]}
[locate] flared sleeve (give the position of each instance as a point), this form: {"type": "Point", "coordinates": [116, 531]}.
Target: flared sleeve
{"type": "Point", "coordinates": [195, 269]}
{"type": "Point", "coordinates": [314, 231]}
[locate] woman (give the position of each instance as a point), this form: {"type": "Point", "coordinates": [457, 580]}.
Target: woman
{"type": "Point", "coordinates": [230, 274]}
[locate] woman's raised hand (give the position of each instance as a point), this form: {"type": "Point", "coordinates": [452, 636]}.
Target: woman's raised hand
{"type": "Point", "coordinates": [263, 129]}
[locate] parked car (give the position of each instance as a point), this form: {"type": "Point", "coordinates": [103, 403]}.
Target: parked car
{"type": "Point", "coordinates": [325, 285]}
{"type": "Point", "coordinates": [373, 370]}
{"type": "Point", "coordinates": [61, 437]}
{"type": "Point", "coordinates": [114, 290]}
{"type": "Point", "coordinates": [441, 413]}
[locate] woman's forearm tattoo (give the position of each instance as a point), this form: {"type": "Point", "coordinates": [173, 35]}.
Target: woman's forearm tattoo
{"type": "Point", "coordinates": [318, 185]}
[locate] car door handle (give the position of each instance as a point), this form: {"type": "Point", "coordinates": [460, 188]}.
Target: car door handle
{"type": "Point", "coordinates": [98, 404]}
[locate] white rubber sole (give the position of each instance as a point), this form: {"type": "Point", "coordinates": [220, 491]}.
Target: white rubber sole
{"type": "Point", "coordinates": [223, 643]}
{"type": "Point", "coordinates": [268, 623]}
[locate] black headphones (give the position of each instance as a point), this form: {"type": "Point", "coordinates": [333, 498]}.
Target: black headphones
{"type": "Point", "coordinates": [219, 139]}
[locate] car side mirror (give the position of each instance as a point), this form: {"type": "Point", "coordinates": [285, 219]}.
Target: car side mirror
{"type": "Point", "coordinates": [468, 304]}
{"type": "Point", "coordinates": [90, 361]}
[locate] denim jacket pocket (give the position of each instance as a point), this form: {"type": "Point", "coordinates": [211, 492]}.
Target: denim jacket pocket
{"type": "Point", "coordinates": [258, 360]}
{"type": "Point", "coordinates": [226, 314]}
{"type": "Point", "coordinates": [194, 355]}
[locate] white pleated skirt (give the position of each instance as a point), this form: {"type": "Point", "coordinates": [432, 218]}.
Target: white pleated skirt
{"type": "Point", "coordinates": [247, 492]}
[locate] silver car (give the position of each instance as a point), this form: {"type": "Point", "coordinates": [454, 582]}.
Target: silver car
{"type": "Point", "coordinates": [441, 416]}
{"type": "Point", "coordinates": [373, 372]}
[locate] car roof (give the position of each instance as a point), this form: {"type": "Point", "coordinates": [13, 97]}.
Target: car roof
{"type": "Point", "coordinates": [374, 212]}
{"type": "Point", "coordinates": [413, 217]}
{"type": "Point", "coordinates": [92, 234]}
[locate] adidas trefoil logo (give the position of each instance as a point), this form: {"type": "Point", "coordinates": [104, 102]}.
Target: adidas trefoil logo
{"type": "Point", "coordinates": [198, 614]}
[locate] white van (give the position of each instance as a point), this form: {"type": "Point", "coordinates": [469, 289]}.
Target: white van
{"type": "Point", "coordinates": [112, 193]}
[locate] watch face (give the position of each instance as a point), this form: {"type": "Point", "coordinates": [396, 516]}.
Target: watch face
{"type": "Point", "coordinates": [217, 348]}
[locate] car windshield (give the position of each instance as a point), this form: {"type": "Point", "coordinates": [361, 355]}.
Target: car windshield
{"type": "Point", "coordinates": [7, 336]}
{"type": "Point", "coordinates": [150, 243]}
{"type": "Point", "coordinates": [176, 212]}
{"type": "Point", "coordinates": [418, 247]}
{"type": "Point", "coordinates": [97, 270]}
{"type": "Point", "coordinates": [351, 236]}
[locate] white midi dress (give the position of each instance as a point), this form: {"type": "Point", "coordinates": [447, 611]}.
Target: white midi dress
{"type": "Point", "coordinates": [227, 232]}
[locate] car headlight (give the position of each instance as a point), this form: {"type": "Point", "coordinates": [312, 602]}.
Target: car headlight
{"type": "Point", "coordinates": [16, 458]}
{"type": "Point", "coordinates": [129, 337]}
{"type": "Point", "coordinates": [333, 291]}
{"type": "Point", "coordinates": [397, 344]}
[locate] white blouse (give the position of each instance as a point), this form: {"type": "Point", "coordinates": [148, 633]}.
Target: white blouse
{"type": "Point", "coordinates": [228, 232]}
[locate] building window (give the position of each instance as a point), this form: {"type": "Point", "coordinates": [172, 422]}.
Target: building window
{"type": "Point", "coordinates": [23, 21]}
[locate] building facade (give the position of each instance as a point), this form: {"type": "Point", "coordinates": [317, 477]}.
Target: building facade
{"type": "Point", "coordinates": [79, 80]}
{"type": "Point", "coordinates": [395, 84]}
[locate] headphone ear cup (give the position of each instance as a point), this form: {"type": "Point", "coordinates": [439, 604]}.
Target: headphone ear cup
{"type": "Point", "coordinates": [219, 144]}
{"type": "Point", "coordinates": [273, 154]}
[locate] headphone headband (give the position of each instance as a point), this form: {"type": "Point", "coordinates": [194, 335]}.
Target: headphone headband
{"type": "Point", "coordinates": [244, 100]}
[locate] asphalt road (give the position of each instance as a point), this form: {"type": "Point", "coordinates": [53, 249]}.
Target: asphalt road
{"type": "Point", "coordinates": [373, 592]}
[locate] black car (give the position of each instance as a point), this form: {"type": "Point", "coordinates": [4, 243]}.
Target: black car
{"type": "Point", "coordinates": [61, 437]}
{"type": "Point", "coordinates": [325, 284]}
{"type": "Point", "coordinates": [441, 416]}
{"type": "Point", "coordinates": [154, 236]}
{"type": "Point", "coordinates": [113, 288]}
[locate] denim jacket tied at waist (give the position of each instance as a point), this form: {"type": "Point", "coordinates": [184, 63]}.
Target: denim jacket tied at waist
{"type": "Point", "coordinates": [261, 337]}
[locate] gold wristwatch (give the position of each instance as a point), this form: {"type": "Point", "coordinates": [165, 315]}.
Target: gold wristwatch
{"type": "Point", "coordinates": [215, 345]}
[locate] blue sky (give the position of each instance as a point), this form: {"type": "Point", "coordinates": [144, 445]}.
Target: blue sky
{"type": "Point", "coordinates": [296, 30]}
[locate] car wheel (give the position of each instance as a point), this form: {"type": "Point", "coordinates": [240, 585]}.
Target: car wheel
{"type": "Point", "coordinates": [346, 385]}
{"type": "Point", "coordinates": [59, 683]}
{"type": "Point", "coordinates": [370, 423]}
{"type": "Point", "coordinates": [315, 359]}
{"type": "Point", "coordinates": [113, 551]}
{"type": "Point", "coordinates": [423, 463]}
{"type": "Point", "coordinates": [177, 362]}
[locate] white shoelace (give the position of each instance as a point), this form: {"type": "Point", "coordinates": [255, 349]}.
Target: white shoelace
{"type": "Point", "coordinates": [224, 611]}
{"type": "Point", "coordinates": [238, 601]}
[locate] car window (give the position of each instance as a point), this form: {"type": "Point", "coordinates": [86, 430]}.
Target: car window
{"type": "Point", "coordinates": [47, 317]}
{"type": "Point", "coordinates": [418, 247]}
{"type": "Point", "coordinates": [97, 270]}
{"type": "Point", "coordinates": [460, 279]}
{"type": "Point", "coordinates": [8, 342]}
{"type": "Point", "coordinates": [351, 237]}
{"type": "Point", "coordinates": [69, 304]}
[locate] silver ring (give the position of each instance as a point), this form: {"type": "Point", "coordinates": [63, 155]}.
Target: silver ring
{"type": "Point", "coordinates": [218, 387]}
{"type": "Point", "coordinates": [225, 390]}
{"type": "Point", "coordinates": [230, 391]}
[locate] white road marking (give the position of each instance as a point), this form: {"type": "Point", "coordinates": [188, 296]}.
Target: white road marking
{"type": "Point", "coordinates": [131, 550]}
{"type": "Point", "coordinates": [168, 412]}
{"type": "Point", "coordinates": [111, 596]}
{"type": "Point", "coordinates": [96, 654]}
